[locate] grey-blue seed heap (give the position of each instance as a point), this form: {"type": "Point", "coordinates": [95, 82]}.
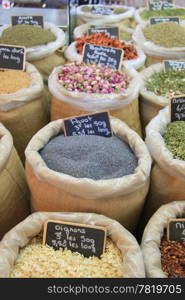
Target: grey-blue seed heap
{"type": "Point", "coordinates": [89, 156]}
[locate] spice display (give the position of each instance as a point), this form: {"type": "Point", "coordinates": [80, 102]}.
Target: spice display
{"type": "Point", "coordinates": [103, 39]}
{"type": "Point", "coordinates": [80, 77]}
{"type": "Point", "coordinates": [173, 12]}
{"type": "Point", "coordinates": [26, 35]}
{"type": "Point", "coordinates": [117, 10]}
{"type": "Point", "coordinates": [89, 156]}
{"type": "Point", "coordinates": [167, 34]}
{"type": "Point", "coordinates": [173, 258]}
{"type": "Point", "coordinates": [174, 137]}
{"type": "Point", "coordinates": [12, 80]}
{"type": "Point", "coordinates": [167, 83]}
{"type": "Point", "coordinates": [42, 261]}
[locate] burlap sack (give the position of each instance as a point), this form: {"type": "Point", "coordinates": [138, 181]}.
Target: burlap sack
{"type": "Point", "coordinates": [85, 16]}
{"type": "Point", "coordinates": [25, 111]}
{"type": "Point", "coordinates": [154, 53]}
{"type": "Point", "coordinates": [46, 57]}
{"type": "Point", "coordinates": [123, 106]}
{"type": "Point", "coordinates": [125, 32]}
{"type": "Point", "coordinates": [121, 198]}
{"type": "Point", "coordinates": [149, 103]}
{"type": "Point", "coordinates": [152, 237]}
{"type": "Point", "coordinates": [168, 174]}
{"type": "Point", "coordinates": [14, 194]}
{"type": "Point", "coordinates": [72, 55]}
{"type": "Point", "coordinates": [20, 235]}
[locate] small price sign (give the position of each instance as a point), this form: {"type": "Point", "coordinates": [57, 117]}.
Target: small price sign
{"type": "Point", "coordinates": [160, 4]}
{"type": "Point", "coordinates": [101, 10]}
{"type": "Point", "coordinates": [174, 65]}
{"type": "Point", "coordinates": [176, 230]}
{"type": "Point", "coordinates": [28, 20]}
{"type": "Point", "coordinates": [112, 32]}
{"type": "Point", "coordinates": [93, 124]}
{"type": "Point", "coordinates": [85, 239]}
{"type": "Point", "coordinates": [164, 19]}
{"type": "Point", "coordinates": [177, 108]}
{"type": "Point", "coordinates": [12, 57]}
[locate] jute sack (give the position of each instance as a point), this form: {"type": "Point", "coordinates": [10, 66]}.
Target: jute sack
{"type": "Point", "coordinates": [14, 193]}
{"type": "Point", "coordinates": [152, 237]}
{"type": "Point", "coordinates": [21, 234]}
{"type": "Point", "coordinates": [168, 174]}
{"type": "Point", "coordinates": [120, 13]}
{"type": "Point", "coordinates": [24, 112]}
{"type": "Point", "coordinates": [154, 53]}
{"type": "Point", "coordinates": [121, 198]}
{"type": "Point", "coordinates": [46, 57]}
{"type": "Point", "coordinates": [149, 103]}
{"type": "Point", "coordinates": [72, 55]}
{"type": "Point", "coordinates": [123, 106]}
{"type": "Point", "coordinates": [125, 32]}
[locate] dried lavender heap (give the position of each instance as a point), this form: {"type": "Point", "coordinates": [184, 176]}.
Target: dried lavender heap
{"type": "Point", "coordinates": [89, 156]}
{"type": "Point", "coordinates": [174, 137]}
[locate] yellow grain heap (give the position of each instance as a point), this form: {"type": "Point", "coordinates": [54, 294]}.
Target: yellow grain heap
{"type": "Point", "coordinates": [12, 80]}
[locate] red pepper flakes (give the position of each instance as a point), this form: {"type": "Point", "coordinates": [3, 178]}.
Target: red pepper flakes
{"type": "Point", "coordinates": [102, 39]}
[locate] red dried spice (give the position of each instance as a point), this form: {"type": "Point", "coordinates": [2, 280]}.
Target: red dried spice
{"type": "Point", "coordinates": [173, 258]}
{"type": "Point", "coordinates": [102, 39]}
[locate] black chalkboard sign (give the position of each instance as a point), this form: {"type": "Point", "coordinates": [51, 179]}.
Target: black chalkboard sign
{"type": "Point", "coordinates": [164, 19]}
{"type": "Point", "coordinates": [86, 2]}
{"type": "Point", "coordinates": [12, 57]}
{"type": "Point", "coordinates": [28, 20]}
{"type": "Point", "coordinates": [176, 230]}
{"type": "Point", "coordinates": [110, 57]}
{"type": "Point", "coordinates": [102, 10]}
{"type": "Point", "coordinates": [160, 4]}
{"type": "Point", "coordinates": [174, 64]}
{"type": "Point", "coordinates": [112, 32]}
{"type": "Point", "coordinates": [177, 107]}
{"type": "Point", "coordinates": [85, 239]}
{"type": "Point", "coordinates": [93, 124]}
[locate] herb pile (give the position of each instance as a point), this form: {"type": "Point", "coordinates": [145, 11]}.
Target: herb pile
{"type": "Point", "coordinates": [174, 12]}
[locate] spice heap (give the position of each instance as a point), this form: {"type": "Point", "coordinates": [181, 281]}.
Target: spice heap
{"type": "Point", "coordinates": [168, 83]}
{"type": "Point", "coordinates": [174, 137]}
{"type": "Point", "coordinates": [173, 258]}
{"type": "Point", "coordinates": [80, 77]}
{"type": "Point", "coordinates": [102, 39]}
{"type": "Point", "coordinates": [89, 156]}
{"type": "Point", "coordinates": [12, 80]}
{"type": "Point", "coordinates": [36, 260]}
{"type": "Point", "coordinates": [26, 35]}
{"type": "Point", "coordinates": [167, 34]}
{"type": "Point", "coordinates": [117, 10]}
{"type": "Point", "coordinates": [173, 12]}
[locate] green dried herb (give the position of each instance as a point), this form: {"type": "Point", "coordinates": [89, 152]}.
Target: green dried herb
{"type": "Point", "coordinates": [167, 83]}
{"type": "Point", "coordinates": [174, 138]}
{"type": "Point", "coordinates": [167, 34]}
{"type": "Point", "coordinates": [26, 35]}
{"type": "Point", "coordinates": [174, 12]}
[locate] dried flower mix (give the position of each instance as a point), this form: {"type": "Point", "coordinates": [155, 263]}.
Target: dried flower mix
{"type": "Point", "coordinates": [167, 34]}
{"type": "Point", "coordinates": [168, 83]}
{"type": "Point", "coordinates": [102, 39]}
{"type": "Point", "coordinates": [80, 77]}
{"type": "Point", "coordinates": [173, 12]}
{"type": "Point", "coordinates": [12, 80]}
{"type": "Point", "coordinates": [174, 137]}
{"type": "Point", "coordinates": [26, 35]}
{"type": "Point", "coordinates": [90, 156]}
{"type": "Point", "coordinates": [38, 261]}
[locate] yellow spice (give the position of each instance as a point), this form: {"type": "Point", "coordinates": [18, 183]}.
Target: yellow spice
{"type": "Point", "coordinates": [12, 80]}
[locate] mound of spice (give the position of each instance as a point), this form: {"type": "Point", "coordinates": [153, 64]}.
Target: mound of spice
{"type": "Point", "coordinates": [89, 156]}
{"type": "Point", "coordinates": [167, 34]}
{"type": "Point", "coordinates": [173, 258]}
{"type": "Point", "coordinates": [26, 35]}
{"type": "Point", "coordinates": [168, 83]}
{"type": "Point", "coordinates": [12, 80]}
{"type": "Point", "coordinates": [80, 77]}
{"type": "Point", "coordinates": [102, 39]}
{"type": "Point", "coordinates": [38, 261]}
{"type": "Point", "coordinates": [173, 12]}
{"type": "Point", "coordinates": [174, 137]}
